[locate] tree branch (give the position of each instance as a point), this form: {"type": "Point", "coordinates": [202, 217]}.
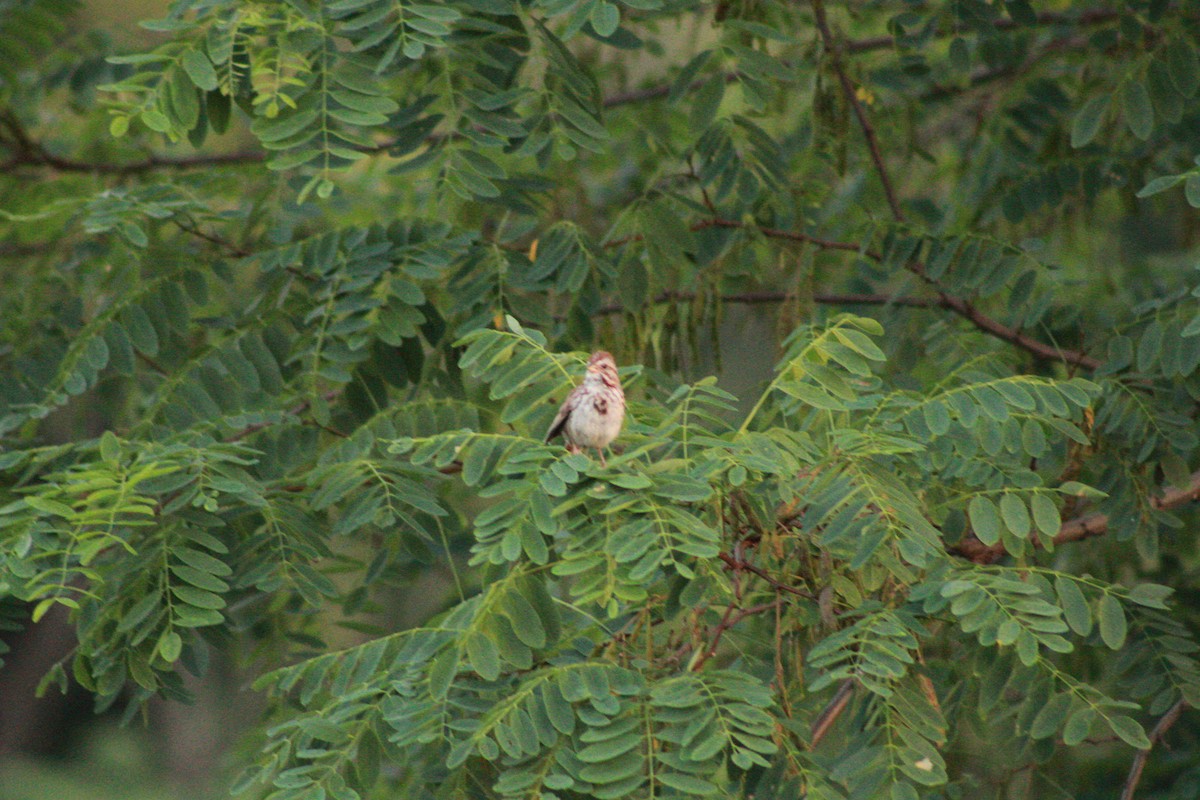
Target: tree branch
{"type": "Point", "coordinates": [1081, 527]}
{"type": "Point", "coordinates": [295, 411]}
{"type": "Point", "coordinates": [729, 620]}
{"type": "Point", "coordinates": [741, 565]}
{"type": "Point", "coordinates": [830, 714]}
{"type": "Point", "coordinates": [1139, 761]}
{"type": "Point", "coordinates": [191, 228]}
{"type": "Point", "coordinates": [1085, 18]}
{"type": "Point", "coordinates": [760, 298]}
{"type": "Point", "coordinates": [848, 91]}
{"type": "Point", "coordinates": [950, 302]}
{"type": "Point", "coordinates": [29, 153]}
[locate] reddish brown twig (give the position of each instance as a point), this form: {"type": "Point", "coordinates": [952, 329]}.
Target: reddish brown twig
{"type": "Point", "coordinates": [741, 565]}
{"type": "Point", "coordinates": [189, 227]}
{"type": "Point", "coordinates": [833, 48]}
{"type": "Point", "coordinates": [830, 714]}
{"type": "Point", "coordinates": [729, 620]}
{"type": "Point", "coordinates": [295, 411]}
{"type": "Point", "coordinates": [951, 303]}
{"type": "Point", "coordinates": [822, 298]}
{"type": "Point", "coordinates": [1082, 527]}
{"type": "Point", "coordinates": [1139, 761]}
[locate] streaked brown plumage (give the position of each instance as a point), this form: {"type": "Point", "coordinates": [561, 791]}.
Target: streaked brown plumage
{"type": "Point", "coordinates": [592, 414]}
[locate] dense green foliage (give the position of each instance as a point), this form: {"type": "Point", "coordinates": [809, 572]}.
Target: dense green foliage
{"type": "Point", "coordinates": [292, 294]}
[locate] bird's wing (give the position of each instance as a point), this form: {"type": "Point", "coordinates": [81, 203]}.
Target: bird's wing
{"type": "Point", "coordinates": [560, 420]}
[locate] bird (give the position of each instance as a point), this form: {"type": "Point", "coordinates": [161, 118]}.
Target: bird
{"type": "Point", "coordinates": [593, 412]}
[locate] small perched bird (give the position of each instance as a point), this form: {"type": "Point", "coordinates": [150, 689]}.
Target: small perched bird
{"type": "Point", "coordinates": [592, 414]}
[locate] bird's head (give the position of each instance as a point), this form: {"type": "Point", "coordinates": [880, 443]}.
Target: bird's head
{"type": "Point", "coordinates": [603, 364]}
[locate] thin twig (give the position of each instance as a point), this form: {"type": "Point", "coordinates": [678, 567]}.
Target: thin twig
{"type": "Point", "coordinates": [948, 301]}
{"type": "Point", "coordinates": [159, 368]}
{"type": "Point", "coordinates": [295, 411]}
{"type": "Point", "coordinates": [1082, 527]}
{"type": "Point", "coordinates": [848, 91]}
{"type": "Point", "coordinates": [740, 565]}
{"type": "Point", "coordinates": [190, 228]}
{"type": "Point", "coordinates": [32, 154]}
{"type": "Point", "coordinates": [729, 620]}
{"type": "Point", "coordinates": [1085, 18]}
{"type": "Point", "coordinates": [760, 298]}
{"type": "Point", "coordinates": [1139, 761]}
{"type": "Point", "coordinates": [833, 710]}
{"type": "Point", "coordinates": [795, 236]}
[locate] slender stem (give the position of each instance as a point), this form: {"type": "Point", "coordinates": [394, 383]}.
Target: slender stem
{"type": "Point", "coordinates": [833, 48]}
{"type": "Point", "coordinates": [1139, 761]}
{"type": "Point", "coordinates": [958, 305]}
{"type": "Point", "coordinates": [833, 710]}
{"type": "Point", "coordinates": [1081, 527]}
{"type": "Point", "coordinates": [728, 620]}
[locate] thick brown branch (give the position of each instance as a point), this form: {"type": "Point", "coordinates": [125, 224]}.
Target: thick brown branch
{"type": "Point", "coordinates": [1139, 761]}
{"type": "Point", "coordinates": [998, 329]}
{"type": "Point", "coordinates": [1082, 527]}
{"type": "Point", "coordinates": [833, 47]}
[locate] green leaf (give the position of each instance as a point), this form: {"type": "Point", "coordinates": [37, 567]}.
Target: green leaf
{"type": "Point", "coordinates": [1183, 66]}
{"type": "Point", "coordinates": [1075, 606]}
{"type": "Point", "coordinates": [170, 646]}
{"type": "Point", "coordinates": [985, 520]}
{"type": "Point", "coordinates": [1192, 328]}
{"type": "Point", "coordinates": [1152, 595]}
{"type": "Point", "coordinates": [110, 448]}
{"type": "Point", "coordinates": [605, 18]}
{"type": "Point", "coordinates": [1113, 626]}
{"type": "Point", "coordinates": [1015, 515]}
{"type": "Point", "coordinates": [1027, 648]}
{"type": "Point", "coordinates": [201, 580]}
{"type": "Point", "coordinates": [1087, 122]}
{"type": "Point", "coordinates": [198, 597]}
{"type": "Point", "coordinates": [1045, 514]}
{"type": "Point", "coordinates": [1129, 730]}
{"type": "Point", "coordinates": [483, 656]}
{"type": "Point", "coordinates": [688, 784]}
{"type": "Point", "coordinates": [49, 506]}
{"type": "Point", "coordinates": [688, 74]}
{"type": "Point", "coordinates": [1077, 489]}
{"type": "Point", "coordinates": [1161, 184]}
{"type": "Point", "coordinates": [1051, 716]}
{"type": "Point", "coordinates": [937, 418]}
{"type": "Point", "coordinates": [706, 102]}
{"type": "Point", "coordinates": [525, 621]}
{"type": "Point", "coordinates": [1191, 190]}
{"type": "Point", "coordinates": [1139, 113]}
{"type": "Point", "coordinates": [1078, 725]}
{"type": "Point", "coordinates": [200, 70]}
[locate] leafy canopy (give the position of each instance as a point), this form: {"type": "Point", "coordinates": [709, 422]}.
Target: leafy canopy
{"type": "Point", "coordinates": [294, 290]}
